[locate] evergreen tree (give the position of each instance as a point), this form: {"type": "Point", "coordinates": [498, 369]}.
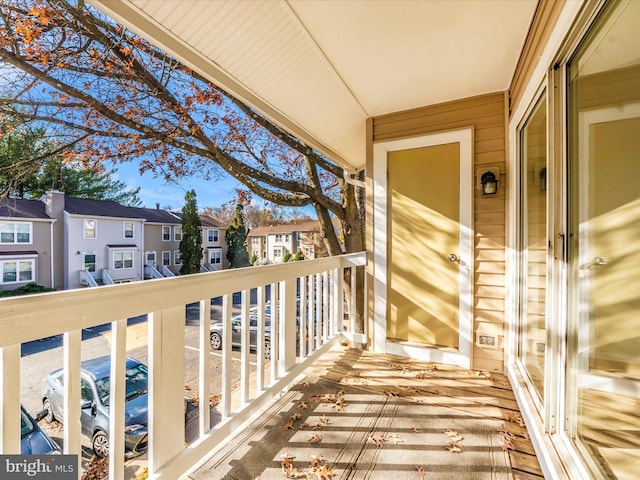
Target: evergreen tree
{"type": "Point", "coordinates": [191, 243]}
{"type": "Point", "coordinates": [236, 237]}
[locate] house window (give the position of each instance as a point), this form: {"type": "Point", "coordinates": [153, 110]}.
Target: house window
{"type": "Point", "coordinates": [177, 233]}
{"type": "Point", "coordinates": [299, 236]}
{"type": "Point", "coordinates": [309, 252]}
{"type": "Point", "coordinates": [15, 232]}
{"type": "Point", "coordinates": [17, 271]}
{"type": "Point", "coordinates": [215, 257]}
{"type": "Point", "coordinates": [90, 227]}
{"type": "Point", "coordinates": [255, 240]}
{"type": "Point", "coordinates": [122, 260]}
{"type": "Point", "coordinates": [277, 253]}
{"type": "Point", "coordinates": [177, 260]}
{"type": "Point", "coordinates": [166, 258]}
{"type": "Point", "coordinates": [128, 229]}
{"type": "Point", "coordinates": [212, 235]}
{"type": "Point", "coordinates": [255, 253]}
{"type": "Point", "coordinates": [278, 238]}
{"type": "Point", "coordinates": [166, 233]}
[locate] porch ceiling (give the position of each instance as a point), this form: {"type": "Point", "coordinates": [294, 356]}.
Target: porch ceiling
{"type": "Point", "coordinates": [321, 68]}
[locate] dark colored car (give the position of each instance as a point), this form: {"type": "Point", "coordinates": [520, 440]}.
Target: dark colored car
{"type": "Point", "coordinates": [94, 392]}
{"type": "Point", "coordinates": [33, 441]}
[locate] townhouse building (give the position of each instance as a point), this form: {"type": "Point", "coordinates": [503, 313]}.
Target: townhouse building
{"type": "Point", "coordinates": [162, 235]}
{"type": "Point", "coordinates": [272, 243]}
{"type": "Point", "coordinates": [214, 246]}
{"type": "Point", "coordinates": [27, 252]}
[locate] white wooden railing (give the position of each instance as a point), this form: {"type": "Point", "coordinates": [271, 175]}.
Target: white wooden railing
{"type": "Point", "coordinates": [106, 277]}
{"type": "Point", "coordinates": [166, 271]}
{"type": "Point", "coordinates": [87, 279]}
{"type": "Point", "coordinates": [317, 283]}
{"type": "Point", "coordinates": [150, 271]}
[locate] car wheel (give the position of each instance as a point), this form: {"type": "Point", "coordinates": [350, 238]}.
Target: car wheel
{"type": "Point", "coordinates": [46, 405]}
{"type": "Point", "coordinates": [100, 444]}
{"type": "Point", "coordinates": [215, 340]}
{"type": "Point", "coordinates": [267, 349]}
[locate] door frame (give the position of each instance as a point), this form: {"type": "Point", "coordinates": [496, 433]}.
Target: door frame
{"type": "Point", "coordinates": [381, 344]}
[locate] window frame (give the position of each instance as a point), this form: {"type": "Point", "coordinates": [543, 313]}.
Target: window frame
{"type": "Point", "coordinates": [166, 233]}
{"type": "Point", "coordinates": [16, 233]}
{"type": "Point", "coordinates": [177, 233]}
{"type": "Point", "coordinates": [168, 258]}
{"type": "Point", "coordinates": [86, 229]}
{"type": "Point", "coordinates": [18, 262]}
{"type": "Point", "coordinates": [124, 260]}
{"type": "Point", "coordinates": [177, 260]}
{"type": "Point", "coordinates": [125, 230]}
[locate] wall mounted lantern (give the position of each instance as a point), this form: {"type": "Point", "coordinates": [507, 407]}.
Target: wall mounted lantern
{"type": "Point", "coordinates": [489, 183]}
{"type": "Point", "coordinates": [487, 178]}
{"type": "Point", "coordinates": [542, 178]}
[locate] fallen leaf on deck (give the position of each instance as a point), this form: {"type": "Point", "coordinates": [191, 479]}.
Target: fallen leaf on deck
{"type": "Point", "coordinates": [324, 420]}
{"type": "Point", "coordinates": [316, 460]}
{"type": "Point", "coordinates": [303, 405]}
{"type": "Point", "coordinates": [414, 429]}
{"type": "Point", "coordinates": [451, 433]}
{"type": "Point", "coordinates": [375, 439]}
{"type": "Point", "coordinates": [295, 416]}
{"type": "Point", "coordinates": [391, 393]}
{"type": "Point", "coordinates": [394, 439]}
{"type": "Point", "coordinates": [315, 438]}
{"type": "Point", "coordinates": [421, 472]}
{"type": "Point", "coordinates": [304, 425]}
{"type": "Point", "coordinates": [288, 425]}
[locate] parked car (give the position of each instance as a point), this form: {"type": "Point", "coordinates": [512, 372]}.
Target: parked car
{"type": "Point", "coordinates": [94, 392]}
{"type": "Point", "coordinates": [215, 332]}
{"type": "Point", "coordinates": [33, 440]}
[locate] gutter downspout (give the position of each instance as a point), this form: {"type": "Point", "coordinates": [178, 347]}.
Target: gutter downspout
{"type": "Point", "coordinates": [352, 181]}
{"type": "Point", "coordinates": [53, 285]}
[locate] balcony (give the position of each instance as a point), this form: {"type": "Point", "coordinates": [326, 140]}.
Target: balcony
{"type": "Point", "coordinates": [252, 386]}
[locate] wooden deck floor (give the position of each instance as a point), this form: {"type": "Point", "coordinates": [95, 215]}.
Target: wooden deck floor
{"type": "Point", "coordinates": [358, 415]}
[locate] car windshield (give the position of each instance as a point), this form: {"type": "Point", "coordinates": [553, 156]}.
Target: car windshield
{"type": "Point", "coordinates": [136, 383]}
{"type": "Point", "coordinates": [26, 425]}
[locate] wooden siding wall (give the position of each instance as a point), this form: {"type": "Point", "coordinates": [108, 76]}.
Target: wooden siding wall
{"type": "Point", "coordinates": [487, 115]}
{"type": "Point", "coordinates": [542, 25]}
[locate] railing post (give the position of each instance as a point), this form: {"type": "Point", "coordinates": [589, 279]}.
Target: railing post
{"type": "Point", "coordinates": [338, 295]}
{"type": "Point", "coordinates": [274, 334]}
{"type": "Point", "coordinates": [166, 386]}
{"type": "Point", "coordinates": [260, 339]}
{"type": "Point", "coordinates": [227, 305]}
{"type": "Point", "coordinates": [117, 394]}
{"type": "Point", "coordinates": [288, 324]}
{"type": "Point", "coordinates": [244, 351]}
{"type": "Point", "coordinates": [10, 400]}
{"type": "Point", "coordinates": [203, 367]}
{"type": "Point", "coordinates": [72, 342]}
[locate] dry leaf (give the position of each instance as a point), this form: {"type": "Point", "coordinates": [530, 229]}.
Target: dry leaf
{"type": "Point", "coordinates": [394, 439]}
{"type": "Point", "coordinates": [304, 425]}
{"type": "Point", "coordinates": [413, 390]}
{"type": "Point", "coordinates": [306, 383]}
{"type": "Point", "coordinates": [315, 438]}
{"type": "Point", "coordinates": [341, 392]}
{"type": "Point", "coordinates": [451, 433]}
{"type": "Point", "coordinates": [317, 426]}
{"type": "Point", "coordinates": [441, 393]}
{"type": "Point", "coordinates": [375, 439]}
{"type": "Point", "coordinates": [324, 420]}
{"type": "Point", "coordinates": [421, 472]}
{"type": "Point", "coordinates": [391, 393]}
{"type": "Point", "coordinates": [414, 429]}
{"type": "Point", "coordinates": [303, 405]}
{"type": "Point", "coordinates": [454, 448]}
{"type": "Point", "coordinates": [287, 464]}
{"type": "Point", "coordinates": [324, 472]}
{"type": "Point", "coordinates": [288, 425]}
{"type": "Point", "coordinates": [316, 460]}
{"type": "Point", "coordinates": [295, 416]}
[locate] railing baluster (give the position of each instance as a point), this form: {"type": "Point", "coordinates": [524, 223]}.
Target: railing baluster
{"type": "Point", "coordinates": [10, 400]}
{"type": "Point", "coordinates": [274, 334]}
{"type": "Point", "coordinates": [325, 306]}
{"type": "Point", "coordinates": [352, 301]}
{"type": "Point", "coordinates": [288, 324]}
{"type": "Point", "coordinates": [311, 313]}
{"type": "Point", "coordinates": [244, 350]}
{"type": "Point", "coordinates": [302, 319]}
{"type": "Point", "coordinates": [203, 369]}
{"type": "Point", "coordinates": [260, 339]}
{"type": "Point", "coordinates": [117, 393]}
{"type": "Point", "coordinates": [226, 355]}
{"type": "Point", "coordinates": [72, 342]}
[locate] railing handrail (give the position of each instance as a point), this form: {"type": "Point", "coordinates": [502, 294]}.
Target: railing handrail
{"type": "Point", "coordinates": [106, 277]}
{"type": "Point", "coordinates": [70, 306]}
{"type": "Point", "coordinates": [87, 279]}
{"type": "Point", "coordinates": [166, 271]}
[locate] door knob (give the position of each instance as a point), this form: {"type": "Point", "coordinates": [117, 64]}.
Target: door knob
{"type": "Point", "coordinates": [452, 257]}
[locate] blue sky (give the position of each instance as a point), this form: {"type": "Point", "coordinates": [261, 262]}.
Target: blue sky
{"type": "Point", "coordinates": [209, 193]}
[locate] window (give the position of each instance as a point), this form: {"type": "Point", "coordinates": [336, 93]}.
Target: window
{"type": "Point", "coordinates": [215, 257]}
{"type": "Point", "coordinates": [166, 233]}
{"type": "Point", "coordinates": [176, 258]}
{"type": "Point", "coordinates": [602, 371]}
{"type": "Point", "coordinates": [212, 235]}
{"type": "Point", "coordinates": [255, 240]}
{"type": "Point", "coordinates": [122, 260]}
{"type": "Point", "coordinates": [15, 232]}
{"type": "Point", "coordinates": [90, 227]}
{"type": "Point", "coordinates": [17, 271]}
{"type": "Point", "coordinates": [278, 238]}
{"type": "Point", "coordinates": [166, 258]}
{"type": "Point", "coordinates": [299, 236]}
{"type": "Point", "coordinates": [255, 253]}
{"type": "Point", "coordinates": [533, 243]}
{"type": "Point", "coordinates": [177, 233]}
{"type": "Point", "coordinates": [277, 253]}
{"type": "Point", "coordinates": [128, 229]}
{"type": "Point", "coordinates": [151, 258]}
